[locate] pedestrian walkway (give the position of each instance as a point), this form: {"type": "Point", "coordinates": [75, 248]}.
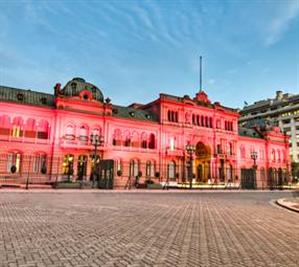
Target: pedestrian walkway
{"type": "Point", "coordinates": [289, 203]}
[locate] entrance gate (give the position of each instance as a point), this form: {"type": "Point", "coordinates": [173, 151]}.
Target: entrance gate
{"type": "Point", "coordinates": [248, 178]}
{"type": "Point", "coordinates": [105, 171]}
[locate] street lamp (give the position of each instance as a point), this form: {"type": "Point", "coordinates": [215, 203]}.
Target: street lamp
{"type": "Point", "coordinates": [254, 157]}
{"type": "Point", "coordinates": [96, 140]}
{"type": "Point", "coordinates": [190, 149]}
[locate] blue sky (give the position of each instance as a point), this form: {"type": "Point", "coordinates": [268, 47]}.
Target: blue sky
{"type": "Point", "coordinates": [134, 50]}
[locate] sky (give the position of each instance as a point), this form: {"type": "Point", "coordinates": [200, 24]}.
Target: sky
{"type": "Point", "coordinates": [135, 50]}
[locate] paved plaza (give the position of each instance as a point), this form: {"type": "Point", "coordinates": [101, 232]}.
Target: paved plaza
{"type": "Point", "coordinates": [147, 229]}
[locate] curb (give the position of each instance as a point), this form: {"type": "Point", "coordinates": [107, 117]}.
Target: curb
{"type": "Point", "coordinates": [286, 204]}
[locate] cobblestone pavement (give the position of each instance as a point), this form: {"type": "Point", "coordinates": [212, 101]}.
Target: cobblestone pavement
{"type": "Point", "coordinates": [147, 229]}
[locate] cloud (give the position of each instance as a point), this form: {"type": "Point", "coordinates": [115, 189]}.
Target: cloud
{"type": "Point", "coordinates": [281, 23]}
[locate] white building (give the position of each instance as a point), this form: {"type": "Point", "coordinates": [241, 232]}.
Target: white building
{"type": "Point", "coordinates": [283, 110]}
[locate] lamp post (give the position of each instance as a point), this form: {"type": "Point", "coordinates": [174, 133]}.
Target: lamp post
{"type": "Point", "coordinates": [254, 157]}
{"type": "Point", "coordinates": [96, 140]}
{"type": "Point", "coordinates": [190, 149]}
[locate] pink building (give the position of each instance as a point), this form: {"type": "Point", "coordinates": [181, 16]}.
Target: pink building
{"type": "Point", "coordinates": [48, 138]}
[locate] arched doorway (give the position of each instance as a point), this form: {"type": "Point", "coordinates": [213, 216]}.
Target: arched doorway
{"type": "Point", "coordinates": [202, 162]}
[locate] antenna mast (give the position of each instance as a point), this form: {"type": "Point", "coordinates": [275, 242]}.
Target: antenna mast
{"type": "Point", "coordinates": [200, 73]}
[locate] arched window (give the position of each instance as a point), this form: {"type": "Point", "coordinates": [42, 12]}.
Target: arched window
{"type": "Point", "coordinates": [206, 121]}
{"type": "Point", "coordinates": [230, 149]}
{"type": "Point", "coordinates": [218, 124]}
{"type": "Point", "coordinates": [127, 138]}
{"type": "Point", "coordinates": [198, 120]}
{"type": "Point", "coordinates": [152, 141]}
{"type": "Point", "coordinates": [150, 169]}
{"type": "Point", "coordinates": [4, 125]}
{"type": "Point", "coordinates": [68, 164]}
{"type": "Point", "coordinates": [116, 141]}
{"type": "Point", "coordinates": [83, 134]}
{"type": "Point", "coordinates": [273, 155]}
{"type": "Point", "coordinates": [43, 129]}
{"type": "Point", "coordinates": [40, 163]}
{"type": "Point", "coordinates": [70, 132]}
{"type": "Point", "coordinates": [193, 119]}
{"type": "Point", "coordinates": [202, 121]}
{"type": "Point", "coordinates": [134, 168]}
{"type": "Point", "coordinates": [211, 122]}
{"type": "Point", "coordinates": [17, 127]}
{"type": "Point", "coordinates": [96, 130]}
{"type": "Point", "coordinates": [171, 171]}
{"type": "Point", "coordinates": [135, 139]}
{"type": "Point", "coordinates": [144, 140]}
{"type": "Point", "coordinates": [30, 128]}
{"type": "Point", "coordinates": [14, 161]}
{"type": "Point", "coordinates": [170, 115]}
{"type": "Point", "coordinates": [118, 166]}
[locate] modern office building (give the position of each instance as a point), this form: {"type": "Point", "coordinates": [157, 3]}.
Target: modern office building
{"type": "Point", "coordinates": [75, 134]}
{"type": "Point", "coordinates": [282, 111]}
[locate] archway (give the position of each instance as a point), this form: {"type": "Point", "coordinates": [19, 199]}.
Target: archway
{"type": "Point", "coordinates": [202, 162]}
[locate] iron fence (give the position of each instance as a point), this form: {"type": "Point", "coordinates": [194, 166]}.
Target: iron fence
{"type": "Point", "coordinates": [42, 169]}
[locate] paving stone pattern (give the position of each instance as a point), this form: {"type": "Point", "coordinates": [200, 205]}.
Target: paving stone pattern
{"type": "Point", "coordinates": [147, 229]}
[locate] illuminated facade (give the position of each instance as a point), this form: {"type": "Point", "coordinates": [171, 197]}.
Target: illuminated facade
{"type": "Point", "coordinates": [49, 138]}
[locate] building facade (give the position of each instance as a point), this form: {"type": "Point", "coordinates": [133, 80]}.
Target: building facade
{"type": "Point", "coordinates": [50, 137]}
{"type": "Point", "coordinates": [282, 111]}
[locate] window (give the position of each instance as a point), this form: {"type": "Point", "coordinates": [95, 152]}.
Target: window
{"type": "Point", "coordinates": [40, 163]}
{"type": "Point", "coordinates": [116, 141]}
{"type": "Point", "coordinates": [198, 120]}
{"type": "Point", "coordinates": [171, 144]}
{"type": "Point", "coordinates": [273, 155]}
{"type": "Point", "coordinates": [128, 141]}
{"type": "Point", "coordinates": [14, 162]}
{"type": "Point", "coordinates": [144, 140]}
{"type": "Point", "coordinates": [151, 142]}
{"type": "Point", "coordinates": [42, 129]}
{"type": "Point", "coordinates": [4, 125]}
{"type": "Point", "coordinates": [149, 169]}
{"type": "Point", "coordinates": [118, 165]}
{"type": "Point", "coordinates": [83, 135]}
{"type": "Point", "coordinates": [219, 150]}
{"type": "Point", "coordinates": [17, 130]}
{"type": "Point", "coordinates": [70, 132]}
{"type": "Point", "coordinates": [242, 152]}
{"type": "Point", "coordinates": [171, 171]}
{"type": "Point", "coordinates": [134, 168]}
{"type": "Point", "coordinates": [30, 131]}
{"type": "Point", "coordinates": [68, 164]}
{"type": "Point", "coordinates": [172, 116]}
{"type": "Point", "coordinates": [230, 149]}
{"type": "Point", "coordinates": [135, 139]}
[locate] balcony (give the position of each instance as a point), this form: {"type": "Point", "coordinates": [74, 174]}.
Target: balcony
{"type": "Point", "coordinates": [175, 152]}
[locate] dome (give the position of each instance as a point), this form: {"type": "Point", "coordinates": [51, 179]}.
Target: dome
{"type": "Point", "coordinates": [77, 85]}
